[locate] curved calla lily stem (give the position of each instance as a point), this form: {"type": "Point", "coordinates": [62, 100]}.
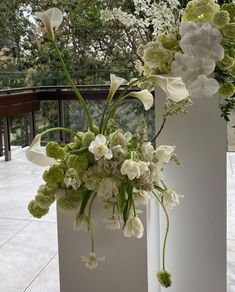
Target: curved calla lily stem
{"type": "Point", "coordinates": [74, 87]}
{"type": "Point", "coordinates": [167, 230]}
{"type": "Point", "coordinates": [61, 129]}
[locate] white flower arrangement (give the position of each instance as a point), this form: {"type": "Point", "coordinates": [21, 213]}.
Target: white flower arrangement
{"type": "Point", "coordinates": [121, 169]}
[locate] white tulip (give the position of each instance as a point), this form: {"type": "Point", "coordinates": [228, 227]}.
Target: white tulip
{"type": "Point", "coordinates": [131, 169]}
{"type": "Point", "coordinates": [170, 199]}
{"type": "Point", "coordinates": [133, 227]}
{"type": "Point", "coordinates": [113, 223]}
{"type": "Point", "coordinates": [144, 96]}
{"type": "Point", "coordinates": [36, 154]}
{"type": "Point", "coordinates": [108, 188]}
{"type": "Point", "coordinates": [72, 179]}
{"type": "Point", "coordinates": [141, 197]}
{"type": "Point", "coordinates": [99, 148]}
{"type": "Point", "coordinates": [147, 151]}
{"type": "Point", "coordinates": [174, 87]}
{"type": "Point", "coordinates": [115, 83]}
{"type": "Point", "coordinates": [163, 153]}
{"type": "Point", "coordinates": [81, 222]}
{"type": "Point", "coordinates": [52, 18]}
{"type": "Point", "coordinates": [91, 260]}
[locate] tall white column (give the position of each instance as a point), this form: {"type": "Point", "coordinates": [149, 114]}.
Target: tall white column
{"type": "Point", "coordinates": [196, 252]}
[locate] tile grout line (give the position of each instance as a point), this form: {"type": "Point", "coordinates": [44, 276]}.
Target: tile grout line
{"type": "Point", "coordinates": [25, 290]}
{"type": "Point", "coordinates": [15, 234]}
{"type": "Point", "coordinates": [27, 220]}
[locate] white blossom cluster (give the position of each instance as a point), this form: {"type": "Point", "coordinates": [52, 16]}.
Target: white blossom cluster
{"type": "Point", "coordinates": [161, 16]}
{"type": "Point", "coordinates": [201, 46]}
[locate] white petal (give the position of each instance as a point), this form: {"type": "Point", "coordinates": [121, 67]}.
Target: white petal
{"type": "Point", "coordinates": [145, 97]}
{"type": "Point", "coordinates": [35, 153]}
{"type": "Point", "coordinates": [56, 17]}
{"type": "Point", "coordinates": [173, 86]}
{"type": "Point", "coordinates": [115, 83]}
{"type": "Point", "coordinates": [109, 154]}
{"type": "Point", "coordinates": [100, 139]}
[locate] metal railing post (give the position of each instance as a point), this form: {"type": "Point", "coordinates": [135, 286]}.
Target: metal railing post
{"type": "Point", "coordinates": [7, 141]}
{"type": "Point", "coordinates": [62, 120]}
{"type": "Point", "coordinates": [1, 140]}
{"type": "Point", "coordinates": [32, 131]}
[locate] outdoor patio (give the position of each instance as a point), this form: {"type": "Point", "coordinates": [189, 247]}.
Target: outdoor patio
{"type": "Point", "coordinates": [28, 247]}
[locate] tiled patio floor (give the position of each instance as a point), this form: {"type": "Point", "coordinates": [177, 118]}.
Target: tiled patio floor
{"type": "Point", "coordinates": [28, 247]}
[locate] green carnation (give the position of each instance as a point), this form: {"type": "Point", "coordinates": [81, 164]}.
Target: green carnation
{"type": "Point", "coordinates": [88, 138]}
{"type": "Point", "coordinates": [221, 18]}
{"type": "Point", "coordinates": [45, 196]}
{"type": "Point", "coordinates": [92, 178]}
{"type": "Point", "coordinates": [226, 63]}
{"type": "Point", "coordinates": [230, 8]}
{"type": "Point", "coordinates": [36, 210]}
{"type": "Point", "coordinates": [164, 278]}
{"type": "Point", "coordinates": [54, 175]}
{"type": "Point", "coordinates": [54, 150]}
{"type": "Point", "coordinates": [229, 30]}
{"type": "Point", "coordinates": [78, 162]}
{"type": "Point", "coordinates": [71, 200]}
{"type": "Point", "coordinates": [227, 90]}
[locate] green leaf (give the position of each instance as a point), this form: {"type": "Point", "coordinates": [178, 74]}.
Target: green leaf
{"type": "Point", "coordinates": [85, 200]}
{"type": "Point", "coordinates": [123, 197]}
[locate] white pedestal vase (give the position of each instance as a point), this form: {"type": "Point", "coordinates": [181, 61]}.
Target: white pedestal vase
{"type": "Point", "coordinates": [196, 251]}
{"type": "Point", "coordinates": [125, 266]}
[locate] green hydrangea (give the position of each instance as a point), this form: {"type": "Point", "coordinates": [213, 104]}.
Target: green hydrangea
{"type": "Point", "coordinates": [157, 58]}
{"type": "Point", "coordinates": [45, 196]}
{"type": "Point", "coordinates": [226, 63]}
{"type": "Point", "coordinates": [71, 146]}
{"type": "Point", "coordinates": [54, 175]}
{"type": "Point", "coordinates": [230, 8]}
{"type": "Point", "coordinates": [87, 138]}
{"type": "Point", "coordinates": [169, 41]}
{"type": "Point", "coordinates": [164, 278]}
{"type": "Point", "coordinates": [232, 71]}
{"type": "Point", "coordinates": [227, 90]}
{"type": "Point", "coordinates": [229, 30]}
{"type": "Point", "coordinates": [92, 178]}
{"type": "Point", "coordinates": [78, 141]}
{"type": "Point", "coordinates": [54, 150]}
{"type": "Point", "coordinates": [35, 210]}
{"type": "Point", "coordinates": [78, 162]}
{"type": "Point", "coordinates": [221, 18]}
{"type": "Point", "coordinates": [200, 10]}
{"type": "Point", "coordinates": [231, 53]}
{"type": "Point", "coordinates": [71, 200]}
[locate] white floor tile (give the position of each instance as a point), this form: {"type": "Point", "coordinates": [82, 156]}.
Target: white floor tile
{"type": "Point", "coordinates": [48, 279]}
{"type": "Point", "coordinates": [24, 256]}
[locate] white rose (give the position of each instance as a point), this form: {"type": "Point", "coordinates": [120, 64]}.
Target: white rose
{"type": "Point", "coordinates": [133, 227]}
{"type": "Point", "coordinates": [141, 197]}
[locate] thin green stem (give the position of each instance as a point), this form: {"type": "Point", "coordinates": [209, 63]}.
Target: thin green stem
{"type": "Point", "coordinates": [160, 130]}
{"type": "Point", "coordinates": [74, 87]}
{"type": "Point", "coordinates": [60, 129]}
{"type": "Point", "coordinates": [166, 233]}
{"type": "Point", "coordinates": [90, 227]}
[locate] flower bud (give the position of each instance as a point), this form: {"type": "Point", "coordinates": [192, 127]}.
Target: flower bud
{"type": "Point", "coordinates": [88, 138]}
{"type": "Point", "coordinates": [164, 277]}
{"type": "Point", "coordinates": [54, 150]}
{"type": "Point", "coordinates": [36, 210]}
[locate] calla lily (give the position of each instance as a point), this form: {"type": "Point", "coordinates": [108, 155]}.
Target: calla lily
{"type": "Point", "coordinates": [115, 83]}
{"type": "Point", "coordinates": [145, 97]}
{"type": "Point", "coordinates": [52, 18]}
{"type": "Point", "coordinates": [36, 154]}
{"type": "Point", "coordinates": [174, 87]}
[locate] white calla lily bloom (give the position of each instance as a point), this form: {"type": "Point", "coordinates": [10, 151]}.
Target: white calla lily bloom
{"type": "Point", "coordinates": [174, 87]}
{"type": "Point", "coordinates": [36, 154]}
{"type": "Point", "coordinates": [145, 97]}
{"type": "Point", "coordinates": [99, 148]}
{"type": "Point", "coordinates": [115, 83]}
{"type": "Point", "coordinates": [134, 227]}
{"type": "Point", "coordinates": [52, 18]}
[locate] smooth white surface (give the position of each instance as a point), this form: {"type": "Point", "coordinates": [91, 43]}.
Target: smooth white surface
{"type": "Point", "coordinates": [196, 252]}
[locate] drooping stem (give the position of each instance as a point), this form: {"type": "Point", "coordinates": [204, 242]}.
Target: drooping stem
{"type": "Point", "coordinates": [160, 130]}
{"type": "Point", "coordinates": [74, 87]}
{"type": "Point", "coordinates": [90, 227]}
{"type": "Point", "coordinates": [166, 233]}
{"type": "Point", "coordinates": [61, 129]}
